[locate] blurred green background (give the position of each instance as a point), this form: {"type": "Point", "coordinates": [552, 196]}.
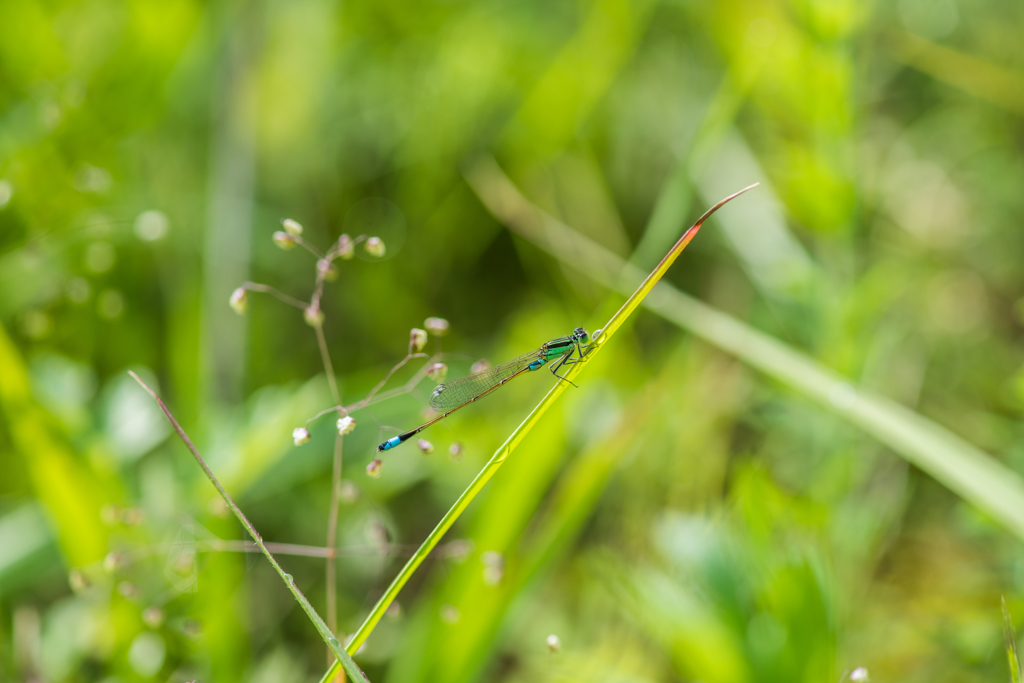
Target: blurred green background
{"type": "Point", "coordinates": [687, 514]}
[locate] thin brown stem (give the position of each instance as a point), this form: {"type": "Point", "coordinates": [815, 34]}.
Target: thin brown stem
{"type": "Point", "coordinates": [326, 357]}
{"type": "Point", "coordinates": [279, 548]}
{"type": "Point", "coordinates": [332, 539]}
{"type": "Point", "coordinates": [216, 545]}
{"type": "Point", "coordinates": [372, 398]}
{"type": "Point", "coordinates": [347, 664]}
{"type": "Point", "coordinates": [396, 368]}
{"type": "Point", "coordinates": [307, 246]}
{"type": "Point", "coordinates": [267, 289]}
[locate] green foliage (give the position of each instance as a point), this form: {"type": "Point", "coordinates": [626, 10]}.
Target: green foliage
{"type": "Point", "coordinates": [707, 506]}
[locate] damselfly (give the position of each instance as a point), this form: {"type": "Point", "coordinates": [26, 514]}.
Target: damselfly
{"type": "Point", "coordinates": [447, 398]}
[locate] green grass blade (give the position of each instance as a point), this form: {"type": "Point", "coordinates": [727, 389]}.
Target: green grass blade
{"type": "Point", "coordinates": [344, 660]}
{"type": "Point", "coordinates": [963, 468]}
{"type": "Point", "coordinates": [1011, 644]}
{"type": "Point", "coordinates": [600, 339]}
{"type": "Point", "coordinates": [71, 491]}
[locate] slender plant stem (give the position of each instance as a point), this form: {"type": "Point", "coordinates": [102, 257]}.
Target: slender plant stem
{"type": "Point", "coordinates": [373, 397]}
{"type": "Point", "coordinates": [600, 338]}
{"type": "Point", "coordinates": [393, 549]}
{"type": "Point", "coordinates": [278, 294]}
{"type": "Point", "coordinates": [307, 246]}
{"type": "Point", "coordinates": [332, 537]}
{"type": "Point", "coordinates": [326, 357]}
{"type": "Point", "coordinates": [398, 366]}
{"type": "Point", "coordinates": [347, 664]}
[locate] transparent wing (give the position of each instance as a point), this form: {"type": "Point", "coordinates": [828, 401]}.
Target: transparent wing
{"type": "Point", "coordinates": [444, 397]}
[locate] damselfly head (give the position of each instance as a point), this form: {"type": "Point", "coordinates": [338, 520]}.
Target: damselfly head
{"type": "Point", "coordinates": [581, 335]}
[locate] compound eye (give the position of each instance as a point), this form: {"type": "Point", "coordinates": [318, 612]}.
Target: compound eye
{"type": "Point", "coordinates": [579, 332]}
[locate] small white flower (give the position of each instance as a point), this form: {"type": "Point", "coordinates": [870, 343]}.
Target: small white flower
{"type": "Point", "coordinates": [425, 446]}
{"type": "Point", "coordinates": [450, 614]}
{"type": "Point", "coordinates": [417, 339]}
{"type": "Point", "coordinates": [437, 326]}
{"type": "Point", "coordinates": [291, 227]}
{"type": "Point", "coordinates": [554, 643]}
{"type": "Point", "coordinates": [283, 240]}
{"type": "Point", "coordinates": [239, 300]}
{"type": "Point", "coordinates": [300, 435]}
{"type": "Point", "coordinates": [480, 366]}
{"type": "Point", "coordinates": [375, 247]}
{"type": "Point", "coordinates": [346, 425]}
{"type": "Point", "coordinates": [859, 675]}
{"type": "Point", "coordinates": [437, 372]}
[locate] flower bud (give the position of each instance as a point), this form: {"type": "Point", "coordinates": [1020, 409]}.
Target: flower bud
{"type": "Point", "coordinates": [375, 247]}
{"type": "Point", "coordinates": [153, 617]}
{"type": "Point", "coordinates": [292, 227]}
{"type": "Point", "coordinates": [348, 492]}
{"type": "Point", "coordinates": [458, 550]}
{"type": "Point", "coordinates": [492, 558]}
{"type": "Point", "coordinates": [554, 643]}
{"type": "Point", "coordinates": [346, 247]}
{"type": "Point", "coordinates": [130, 516]}
{"type": "Point", "coordinates": [455, 450]}
{"type": "Point", "coordinates": [78, 580]}
{"type": "Point", "coordinates": [128, 589]}
{"type": "Point", "coordinates": [437, 372]}
{"type": "Point", "coordinates": [112, 562]}
{"type": "Point", "coordinates": [346, 425]}
{"type": "Point", "coordinates": [480, 366]}
{"type": "Point", "coordinates": [373, 469]}
{"type": "Point", "coordinates": [327, 270]}
{"type": "Point", "coordinates": [417, 339]}
{"type": "Point", "coordinates": [300, 435]}
{"type": "Point", "coordinates": [239, 300]}
{"type": "Point", "coordinates": [313, 315]}
{"type": "Point", "coordinates": [494, 574]}
{"type": "Point", "coordinates": [436, 326]}
{"type": "Point", "coordinates": [450, 614]}
{"type": "Point", "coordinates": [859, 675]}
{"type": "Point", "coordinates": [425, 446]}
{"type": "Point", "coordinates": [283, 240]}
